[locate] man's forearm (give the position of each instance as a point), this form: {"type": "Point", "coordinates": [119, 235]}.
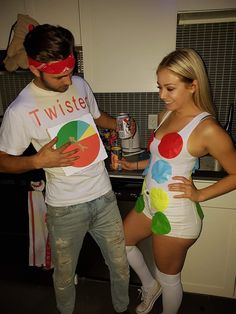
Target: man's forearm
{"type": "Point", "coordinates": [16, 164]}
{"type": "Point", "coordinates": [105, 121]}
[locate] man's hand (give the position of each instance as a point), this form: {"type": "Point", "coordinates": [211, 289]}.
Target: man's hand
{"type": "Point", "coordinates": [49, 157]}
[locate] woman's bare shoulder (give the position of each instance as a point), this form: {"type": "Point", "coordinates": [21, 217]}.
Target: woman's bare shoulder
{"type": "Point", "coordinates": [212, 133]}
{"type": "Point", "coordinates": [209, 125]}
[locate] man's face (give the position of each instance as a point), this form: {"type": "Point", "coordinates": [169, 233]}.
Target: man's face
{"type": "Point", "coordinates": [55, 82]}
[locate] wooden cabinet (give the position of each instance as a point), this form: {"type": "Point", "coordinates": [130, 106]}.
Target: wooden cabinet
{"type": "Point", "coordinates": [210, 266]}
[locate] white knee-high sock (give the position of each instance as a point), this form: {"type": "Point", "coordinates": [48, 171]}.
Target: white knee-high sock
{"type": "Point", "coordinates": [137, 262]}
{"type": "Point", "coordinates": [172, 292]}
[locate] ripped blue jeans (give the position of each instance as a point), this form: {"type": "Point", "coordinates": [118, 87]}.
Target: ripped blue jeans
{"type": "Point", "coordinates": [67, 227]}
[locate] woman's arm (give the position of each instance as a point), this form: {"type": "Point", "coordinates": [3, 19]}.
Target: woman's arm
{"type": "Point", "coordinates": [216, 142]}
{"type": "Point", "coordinates": [130, 165]}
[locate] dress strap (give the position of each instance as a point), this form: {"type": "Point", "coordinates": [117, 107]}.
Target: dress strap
{"type": "Point", "coordinates": [187, 130]}
{"type": "Point", "coordinates": [166, 115]}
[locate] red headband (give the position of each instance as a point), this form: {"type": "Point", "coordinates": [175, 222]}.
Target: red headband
{"type": "Point", "coordinates": [57, 67]}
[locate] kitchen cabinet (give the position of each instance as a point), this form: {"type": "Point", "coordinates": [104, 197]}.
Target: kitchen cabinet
{"type": "Point", "coordinates": [210, 266]}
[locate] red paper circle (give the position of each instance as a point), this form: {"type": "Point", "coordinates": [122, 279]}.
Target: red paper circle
{"type": "Point", "coordinates": [171, 145]}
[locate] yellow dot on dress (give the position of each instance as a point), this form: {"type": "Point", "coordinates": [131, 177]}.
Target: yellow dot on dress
{"type": "Point", "coordinates": [159, 199]}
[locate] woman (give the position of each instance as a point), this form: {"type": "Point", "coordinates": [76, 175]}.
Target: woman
{"type": "Point", "coordinates": [168, 207]}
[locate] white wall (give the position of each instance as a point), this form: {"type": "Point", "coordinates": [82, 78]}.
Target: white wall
{"type": "Point", "coordinates": [58, 12]}
{"type": "Point", "coordinates": [123, 41]}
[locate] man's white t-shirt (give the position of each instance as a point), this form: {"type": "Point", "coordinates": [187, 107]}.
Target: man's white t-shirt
{"type": "Point", "coordinates": [27, 120]}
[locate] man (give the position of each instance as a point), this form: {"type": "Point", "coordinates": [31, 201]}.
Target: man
{"type": "Point", "coordinates": [79, 196]}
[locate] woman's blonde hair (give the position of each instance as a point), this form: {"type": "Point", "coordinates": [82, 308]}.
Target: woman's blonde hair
{"type": "Point", "coordinates": [189, 66]}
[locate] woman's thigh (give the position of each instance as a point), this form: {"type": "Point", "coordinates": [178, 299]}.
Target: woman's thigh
{"type": "Point", "coordinates": [136, 227]}
{"type": "Point", "coordinates": [170, 253]}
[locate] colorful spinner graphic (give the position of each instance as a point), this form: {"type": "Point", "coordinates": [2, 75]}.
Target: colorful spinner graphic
{"type": "Point", "coordinates": [83, 137]}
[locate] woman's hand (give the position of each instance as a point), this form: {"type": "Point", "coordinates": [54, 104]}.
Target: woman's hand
{"type": "Point", "coordinates": [125, 165]}
{"type": "Point", "coordinates": [185, 187]}
{"type": "Point", "coordinates": [114, 161]}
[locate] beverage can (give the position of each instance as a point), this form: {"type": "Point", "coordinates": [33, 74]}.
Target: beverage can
{"type": "Point", "coordinates": [124, 124]}
{"type": "Point", "coordinates": [116, 155]}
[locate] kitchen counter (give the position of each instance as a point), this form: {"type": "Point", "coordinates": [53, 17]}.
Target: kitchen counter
{"type": "Point", "coordinates": [206, 171]}
{"type": "Point", "coordinates": [137, 175]}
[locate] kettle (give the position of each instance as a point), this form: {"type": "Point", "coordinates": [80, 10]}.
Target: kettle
{"type": "Point", "coordinates": [131, 146]}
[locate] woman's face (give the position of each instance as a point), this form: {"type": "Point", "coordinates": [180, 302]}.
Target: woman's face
{"type": "Point", "coordinates": [175, 93]}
